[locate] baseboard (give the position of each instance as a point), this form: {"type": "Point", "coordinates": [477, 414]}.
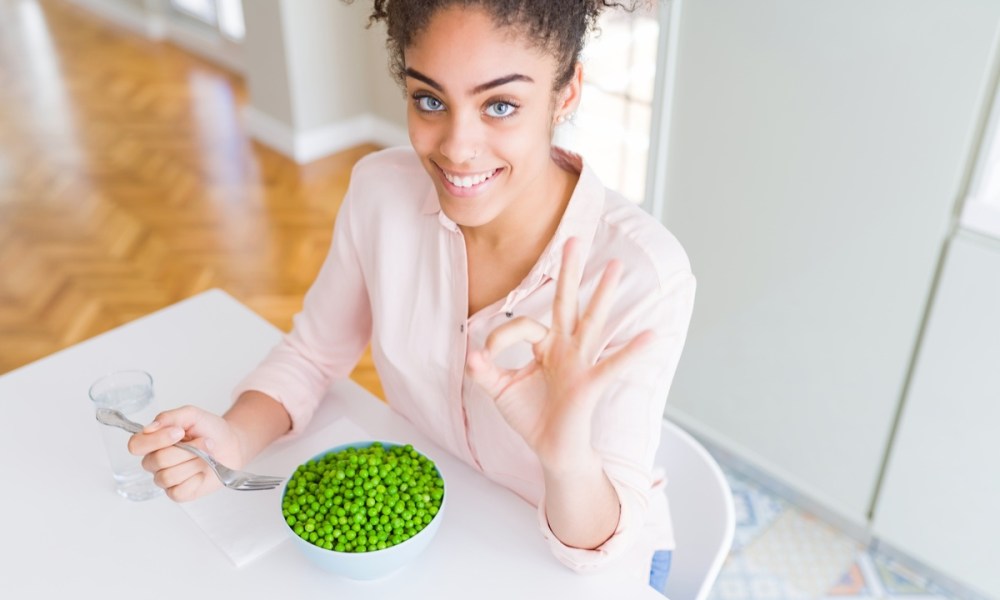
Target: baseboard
{"type": "Point", "coordinates": [782, 484]}
{"type": "Point", "coordinates": [306, 146]}
{"type": "Point", "coordinates": [952, 587]}
{"type": "Point", "coordinates": [150, 26]}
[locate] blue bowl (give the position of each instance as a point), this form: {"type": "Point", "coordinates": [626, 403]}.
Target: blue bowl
{"type": "Point", "coordinates": [374, 564]}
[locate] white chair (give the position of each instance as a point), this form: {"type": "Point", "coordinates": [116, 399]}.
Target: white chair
{"type": "Point", "coordinates": [701, 506]}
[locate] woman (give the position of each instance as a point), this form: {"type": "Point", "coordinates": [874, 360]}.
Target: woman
{"type": "Point", "coordinates": [464, 262]}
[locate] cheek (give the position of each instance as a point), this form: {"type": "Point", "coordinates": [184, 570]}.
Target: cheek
{"type": "Point", "coordinates": [527, 140]}
{"type": "Point", "coordinates": [423, 135]}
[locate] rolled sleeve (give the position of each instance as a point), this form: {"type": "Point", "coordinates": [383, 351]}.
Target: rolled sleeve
{"type": "Point", "coordinates": [630, 523]}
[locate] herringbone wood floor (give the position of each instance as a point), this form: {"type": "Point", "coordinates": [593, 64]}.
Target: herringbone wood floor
{"type": "Point", "coordinates": [128, 183]}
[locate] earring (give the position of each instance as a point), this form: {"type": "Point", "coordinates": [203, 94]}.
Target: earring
{"type": "Point", "coordinates": [563, 118]}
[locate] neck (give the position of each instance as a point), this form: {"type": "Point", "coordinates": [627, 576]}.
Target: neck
{"type": "Point", "coordinates": [534, 220]}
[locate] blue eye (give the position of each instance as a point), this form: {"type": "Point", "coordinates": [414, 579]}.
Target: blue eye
{"type": "Point", "coordinates": [500, 109]}
{"type": "Point", "coordinates": [429, 104]}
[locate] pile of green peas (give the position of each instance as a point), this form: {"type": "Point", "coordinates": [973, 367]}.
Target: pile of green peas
{"type": "Point", "coordinates": [363, 499]}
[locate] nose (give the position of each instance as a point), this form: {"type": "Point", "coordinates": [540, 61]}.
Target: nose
{"type": "Point", "coordinates": [461, 140]}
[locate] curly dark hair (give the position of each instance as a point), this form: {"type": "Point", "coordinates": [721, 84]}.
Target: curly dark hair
{"type": "Point", "coordinates": [558, 26]}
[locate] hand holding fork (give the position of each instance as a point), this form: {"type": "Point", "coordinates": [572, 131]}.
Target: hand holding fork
{"type": "Point", "coordinates": [231, 478]}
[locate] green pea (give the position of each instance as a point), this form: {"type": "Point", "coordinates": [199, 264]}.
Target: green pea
{"type": "Point", "coordinates": [363, 499]}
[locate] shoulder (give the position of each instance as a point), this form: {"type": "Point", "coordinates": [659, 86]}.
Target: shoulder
{"type": "Point", "coordinates": [398, 160]}
{"type": "Point", "coordinates": [388, 180]}
{"type": "Point", "coordinates": [394, 169]}
{"type": "Point", "coordinates": [645, 245]}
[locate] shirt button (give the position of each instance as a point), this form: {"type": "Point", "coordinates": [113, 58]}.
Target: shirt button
{"type": "Point", "coordinates": [461, 328]}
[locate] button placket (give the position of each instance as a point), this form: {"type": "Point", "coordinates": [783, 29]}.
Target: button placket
{"type": "Point", "coordinates": [459, 385]}
{"type": "Point", "coordinates": [457, 416]}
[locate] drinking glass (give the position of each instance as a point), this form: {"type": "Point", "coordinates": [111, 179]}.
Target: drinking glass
{"type": "Point", "coordinates": [130, 392]}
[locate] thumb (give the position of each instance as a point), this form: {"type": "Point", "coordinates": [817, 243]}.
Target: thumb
{"type": "Point", "coordinates": [194, 421]}
{"type": "Point", "coordinates": [481, 369]}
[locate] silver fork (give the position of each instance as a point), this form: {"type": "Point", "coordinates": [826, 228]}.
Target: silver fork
{"type": "Point", "coordinates": [231, 478]}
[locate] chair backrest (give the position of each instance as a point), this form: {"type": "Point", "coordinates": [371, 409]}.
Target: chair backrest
{"type": "Point", "coordinates": [701, 507]}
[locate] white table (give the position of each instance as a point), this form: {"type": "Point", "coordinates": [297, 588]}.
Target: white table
{"type": "Point", "coordinates": [65, 531]}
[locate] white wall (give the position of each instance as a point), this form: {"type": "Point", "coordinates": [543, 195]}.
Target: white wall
{"type": "Point", "coordinates": [318, 79]}
{"type": "Point", "coordinates": [268, 78]}
{"type": "Point", "coordinates": [817, 150]}
{"type": "Point", "coordinates": [327, 71]}
{"type": "Point", "coordinates": [388, 102]}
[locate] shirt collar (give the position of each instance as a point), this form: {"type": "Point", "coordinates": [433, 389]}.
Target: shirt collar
{"type": "Point", "coordinates": [431, 203]}
{"type": "Point", "coordinates": [581, 218]}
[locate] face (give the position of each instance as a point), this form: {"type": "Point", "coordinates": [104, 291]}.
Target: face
{"type": "Point", "coordinates": [481, 112]}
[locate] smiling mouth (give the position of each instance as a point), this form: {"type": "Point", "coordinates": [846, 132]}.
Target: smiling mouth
{"type": "Point", "coordinates": [469, 181]}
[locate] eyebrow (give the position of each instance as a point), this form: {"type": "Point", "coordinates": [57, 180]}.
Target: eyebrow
{"type": "Point", "coordinates": [476, 90]}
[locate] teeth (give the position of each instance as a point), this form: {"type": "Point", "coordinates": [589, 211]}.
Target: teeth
{"type": "Point", "coordinates": [467, 181]}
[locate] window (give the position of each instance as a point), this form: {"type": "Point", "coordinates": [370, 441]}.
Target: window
{"type": "Point", "coordinates": [231, 18]}
{"type": "Point", "coordinates": [611, 128]}
{"type": "Point", "coordinates": [226, 15]}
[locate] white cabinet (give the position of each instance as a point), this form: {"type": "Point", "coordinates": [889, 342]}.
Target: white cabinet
{"type": "Point", "coordinates": [940, 500]}
{"type": "Point", "coordinates": [816, 151]}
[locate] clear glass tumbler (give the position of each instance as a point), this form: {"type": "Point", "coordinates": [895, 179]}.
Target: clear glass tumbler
{"type": "Point", "coordinates": [130, 392]}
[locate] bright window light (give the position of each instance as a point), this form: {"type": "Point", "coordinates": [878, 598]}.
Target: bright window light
{"type": "Point", "coordinates": [203, 10]}
{"type": "Point", "coordinates": [231, 19]}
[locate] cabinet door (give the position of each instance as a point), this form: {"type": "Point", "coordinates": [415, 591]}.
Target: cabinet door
{"type": "Point", "coordinates": [815, 150]}
{"type": "Point", "coordinates": [940, 497]}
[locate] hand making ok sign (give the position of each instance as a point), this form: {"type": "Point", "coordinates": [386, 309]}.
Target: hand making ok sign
{"type": "Point", "coordinates": [550, 401]}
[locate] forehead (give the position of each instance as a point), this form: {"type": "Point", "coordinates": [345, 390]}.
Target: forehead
{"type": "Point", "coordinates": [463, 46]}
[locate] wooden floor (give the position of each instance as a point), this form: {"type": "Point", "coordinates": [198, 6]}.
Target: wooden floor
{"type": "Point", "coordinates": [128, 183]}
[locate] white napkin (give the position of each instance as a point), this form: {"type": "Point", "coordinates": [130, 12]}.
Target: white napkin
{"type": "Point", "coordinates": [246, 525]}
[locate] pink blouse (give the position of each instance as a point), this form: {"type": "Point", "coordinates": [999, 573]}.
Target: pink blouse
{"type": "Point", "coordinates": [396, 275]}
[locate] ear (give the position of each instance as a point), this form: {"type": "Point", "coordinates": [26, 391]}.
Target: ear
{"type": "Point", "coordinates": [569, 97]}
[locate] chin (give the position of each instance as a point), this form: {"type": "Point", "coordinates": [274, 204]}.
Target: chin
{"type": "Point", "coordinates": [466, 217]}
{"type": "Point", "coordinates": [470, 212]}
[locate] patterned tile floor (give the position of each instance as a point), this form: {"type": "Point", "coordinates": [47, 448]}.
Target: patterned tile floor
{"type": "Point", "coordinates": [782, 553]}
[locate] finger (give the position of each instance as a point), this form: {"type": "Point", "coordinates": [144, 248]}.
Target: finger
{"type": "Point", "coordinates": [178, 474]}
{"type": "Point", "coordinates": [606, 370]}
{"type": "Point", "coordinates": [189, 418]}
{"type": "Point", "coordinates": [521, 329]}
{"type": "Point", "coordinates": [565, 309]}
{"type": "Point", "coordinates": [145, 443]}
{"type": "Point", "coordinates": [190, 421]}
{"type": "Point", "coordinates": [484, 372]}
{"type": "Point", "coordinates": [592, 323]}
{"type": "Point", "coordinates": [192, 488]}
{"type": "Point", "coordinates": [164, 459]}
